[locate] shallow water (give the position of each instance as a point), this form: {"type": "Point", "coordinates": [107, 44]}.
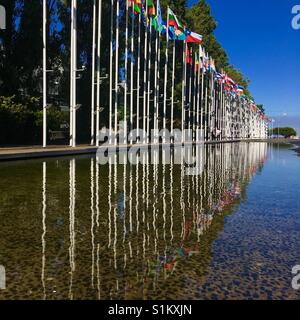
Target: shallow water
{"type": "Point", "coordinates": [71, 228]}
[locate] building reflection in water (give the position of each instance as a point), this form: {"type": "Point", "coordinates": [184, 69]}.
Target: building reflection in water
{"type": "Point", "coordinates": [141, 231]}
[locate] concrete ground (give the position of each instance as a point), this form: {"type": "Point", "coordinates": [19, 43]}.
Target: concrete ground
{"type": "Point", "coordinates": [31, 152]}
{"type": "Point", "coordinates": [18, 153]}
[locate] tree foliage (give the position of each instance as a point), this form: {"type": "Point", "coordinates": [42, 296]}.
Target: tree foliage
{"type": "Point", "coordinates": [202, 22]}
{"type": "Point", "coordinates": [21, 120]}
{"type": "Point", "coordinates": [284, 131]}
{"type": "Point", "coordinates": [21, 58]}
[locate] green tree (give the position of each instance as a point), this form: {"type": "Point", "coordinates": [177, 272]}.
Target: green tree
{"type": "Point", "coordinates": [287, 132]}
{"type": "Point", "coordinates": [21, 46]}
{"type": "Point", "coordinates": [178, 6]}
{"type": "Point", "coordinates": [8, 70]}
{"type": "Point", "coordinates": [21, 55]}
{"type": "Point", "coordinates": [201, 21]}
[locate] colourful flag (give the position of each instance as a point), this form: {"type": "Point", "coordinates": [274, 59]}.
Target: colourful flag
{"type": "Point", "coordinates": [175, 27]}
{"type": "Point", "coordinates": [176, 34]}
{"type": "Point", "coordinates": [137, 5]}
{"type": "Point", "coordinates": [227, 87]}
{"type": "Point", "coordinates": [193, 37]}
{"type": "Point", "coordinates": [212, 67]}
{"type": "Point", "coordinates": [152, 14]}
{"type": "Point", "coordinates": [144, 15]}
{"type": "Point", "coordinates": [189, 55]}
{"type": "Point", "coordinates": [205, 62]}
{"type": "Point", "coordinates": [151, 9]}
{"type": "Point", "coordinates": [239, 89]}
{"type": "Point", "coordinates": [253, 107]}
{"type": "Point", "coordinates": [160, 24]}
{"type": "Point", "coordinates": [218, 77]}
{"type": "Point", "coordinates": [196, 63]}
{"type": "Point", "coordinates": [173, 20]}
{"type": "Point", "coordinates": [163, 27]}
{"type": "Point", "coordinates": [229, 80]}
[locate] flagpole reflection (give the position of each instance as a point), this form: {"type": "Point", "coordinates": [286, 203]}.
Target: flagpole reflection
{"type": "Point", "coordinates": [93, 220]}
{"type": "Point", "coordinates": [157, 220]}
{"type": "Point", "coordinates": [44, 215]}
{"type": "Point", "coordinates": [72, 172]}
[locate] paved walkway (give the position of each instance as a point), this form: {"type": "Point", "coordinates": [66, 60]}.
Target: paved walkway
{"type": "Point", "coordinates": [19, 153]}
{"type": "Point", "coordinates": [31, 152]}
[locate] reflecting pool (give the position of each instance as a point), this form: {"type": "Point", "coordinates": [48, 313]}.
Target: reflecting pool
{"type": "Point", "coordinates": [71, 228]}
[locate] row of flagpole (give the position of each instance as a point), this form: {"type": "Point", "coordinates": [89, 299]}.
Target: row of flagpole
{"type": "Point", "coordinates": [205, 105]}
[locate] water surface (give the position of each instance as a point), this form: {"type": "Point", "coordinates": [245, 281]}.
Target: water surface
{"type": "Point", "coordinates": [71, 228]}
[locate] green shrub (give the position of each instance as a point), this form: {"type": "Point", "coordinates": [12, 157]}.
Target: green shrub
{"type": "Point", "coordinates": [21, 121]}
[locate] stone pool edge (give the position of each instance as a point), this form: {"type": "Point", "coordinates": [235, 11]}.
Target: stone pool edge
{"type": "Point", "coordinates": [35, 152]}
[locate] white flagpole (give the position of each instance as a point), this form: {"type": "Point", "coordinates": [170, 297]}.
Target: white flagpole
{"type": "Point", "coordinates": [202, 96]}
{"type": "Point", "coordinates": [75, 74]}
{"type": "Point", "coordinates": [131, 72]}
{"type": "Point", "coordinates": [158, 79]}
{"type": "Point", "coordinates": [145, 75]}
{"type": "Point", "coordinates": [111, 70]}
{"type": "Point", "coordinates": [117, 69]}
{"type": "Point", "coordinates": [195, 72]}
{"type": "Point", "coordinates": [149, 83]}
{"type": "Point", "coordinates": [211, 105]}
{"type": "Point", "coordinates": [173, 90]}
{"type": "Point", "coordinates": [71, 73]}
{"type": "Point", "coordinates": [126, 77]}
{"type": "Point", "coordinates": [198, 94]}
{"type": "Point", "coordinates": [98, 73]}
{"type": "Point", "coordinates": [183, 92]}
{"type": "Point", "coordinates": [216, 109]}
{"type": "Point", "coordinates": [190, 89]}
{"type": "Point", "coordinates": [206, 112]}
{"type": "Point", "coordinates": [93, 76]}
{"type": "Point", "coordinates": [44, 74]}
{"type": "Point", "coordinates": [222, 111]}
{"type": "Point", "coordinates": [158, 86]}
{"type": "Point", "coordinates": [219, 110]}
{"type": "Point", "coordinates": [138, 79]}
{"type": "Point", "coordinates": [155, 85]}
{"type": "Point", "coordinates": [166, 78]}
{"type": "Point", "coordinates": [73, 69]}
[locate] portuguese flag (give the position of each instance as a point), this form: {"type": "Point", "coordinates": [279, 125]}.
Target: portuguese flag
{"type": "Point", "coordinates": [189, 55]}
{"type": "Point", "coordinates": [137, 5]}
{"type": "Point", "coordinates": [151, 9]}
{"type": "Point", "coordinates": [173, 20]}
{"type": "Point", "coordinates": [196, 63]}
{"type": "Point", "coordinates": [152, 13]}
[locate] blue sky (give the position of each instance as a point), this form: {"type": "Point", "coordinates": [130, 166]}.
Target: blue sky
{"type": "Point", "coordinates": [260, 41]}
